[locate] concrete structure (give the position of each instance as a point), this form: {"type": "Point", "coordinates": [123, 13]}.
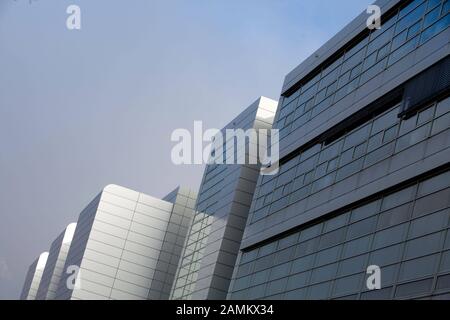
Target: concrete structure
{"type": "Point", "coordinates": [33, 278]}
{"type": "Point", "coordinates": [127, 245]}
{"type": "Point", "coordinates": [55, 264]}
{"type": "Point", "coordinates": [221, 212]}
{"type": "Point", "coordinates": [364, 178]}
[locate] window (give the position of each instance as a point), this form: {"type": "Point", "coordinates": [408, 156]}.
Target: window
{"type": "Point", "coordinates": [443, 107]}
{"type": "Point", "coordinates": [284, 255]}
{"type": "Point", "coordinates": [336, 223]}
{"type": "Point", "coordinates": [423, 246]}
{"type": "Point", "coordinates": [306, 247]}
{"type": "Point", "coordinates": [244, 269]}
{"type": "Point", "coordinates": [288, 241]}
{"type": "Point", "coordinates": [414, 29]}
{"type": "Point", "coordinates": [413, 137]}
{"type": "Point", "coordinates": [241, 283]}
{"type": "Point", "coordinates": [411, 18]}
{"type": "Point", "coordinates": [398, 198]}
{"type": "Point", "coordinates": [360, 150]}
{"type": "Point", "coordinates": [373, 71]}
{"type": "Point", "coordinates": [429, 224]}
{"type": "Point", "coordinates": [443, 282]}
{"type": "Point", "coordinates": [275, 287]}
{"type": "Point", "coordinates": [390, 236]}
{"type": "Point", "coordinates": [434, 29]}
{"type": "Point", "coordinates": [299, 294]}
{"type": "Point", "coordinates": [298, 281]}
{"type": "Point", "coordinates": [356, 247]}
{"type": "Point", "coordinates": [408, 125]}
{"type": "Point", "coordinates": [390, 134]}
{"type": "Point", "coordinates": [319, 292]}
{"type": "Point", "coordinates": [323, 182]}
{"type": "Point", "coordinates": [323, 274]}
{"type": "Point", "coordinates": [260, 277]}
{"type": "Point", "coordinates": [418, 267]}
{"type": "Point", "coordinates": [414, 288]}
{"type": "Point", "coordinates": [267, 249]}
{"type": "Point", "coordinates": [302, 264]}
{"type": "Point", "coordinates": [357, 137]}
{"type": "Point", "coordinates": [441, 124]}
{"type": "Point", "coordinates": [370, 61]}
{"type": "Point", "coordinates": [361, 228]}
{"type": "Point", "coordinates": [352, 61]}
{"type": "Point", "coordinates": [327, 256]}
{"type": "Point", "coordinates": [445, 262]}
{"type": "Point", "coordinates": [352, 266]}
{"type": "Point", "coordinates": [263, 263]}
{"type": "Point", "coordinates": [399, 39]}
{"type": "Point", "coordinates": [431, 203]}
{"type": "Point", "coordinates": [380, 41]}
{"type": "Point", "coordinates": [385, 121]}
{"type": "Point", "coordinates": [280, 271]}
{"type": "Point", "coordinates": [349, 169]}
{"type": "Point", "coordinates": [331, 238]}
{"type": "Point", "coordinates": [347, 285]}
{"type": "Point", "coordinates": [386, 256]}
{"type": "Point", "coordinates": [403, 50]}
{"type": "Point", "coordinates": [310, 232]}
{"type": "Point", "coordinates": [383, 294]}
{"type": "Point", "coordinates": [256, 292]}
{"type": "Point", "coordinates": [395, 216]}
{"type": "Point", "coordinates": [364, 211]}
{"type": "Point", "coordinates": [389, 275]}
{"type": "Point", "coordinates": [332, 164]}
{"type": "Point", "coordinates": [408, 8]}
{"type": "Point", "coordinates": [447, 241]}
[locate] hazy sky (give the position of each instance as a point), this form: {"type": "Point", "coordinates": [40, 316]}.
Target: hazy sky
{"type": "Point", "coordinates": [83, 109]}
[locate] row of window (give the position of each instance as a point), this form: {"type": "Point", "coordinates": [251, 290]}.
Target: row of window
{"type": "Point", "coordinates": [323, 165]}
{"type": "Point", "coordinates": [405, 233]}
{"type": "Point", "coordinates": [192, 254]}
{"type": "Point", "coordinates": [413, 25]}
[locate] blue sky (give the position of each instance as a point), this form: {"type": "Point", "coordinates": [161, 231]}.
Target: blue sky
{"type": "Point", "coordinates": [83, 109]}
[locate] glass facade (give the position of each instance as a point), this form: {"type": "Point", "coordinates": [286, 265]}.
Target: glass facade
{"type": "Point", "coordinates": [187, 273]}
{"type": "Point", "coordinates": [372, 190]}
{"type": "Point", "coordinates": [410, 27]}
{"type": "Point", "coordinates": [406, 233]}
{"type": "Point", "coordinates": [324, 165]}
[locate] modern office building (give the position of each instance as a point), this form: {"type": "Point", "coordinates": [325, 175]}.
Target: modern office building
{"type": "Point", "coordinates": [55, 264]}
{"type": "Point", "coordinates": [33, 278]}
{"type": "Point", "coordinates": [222, 208]}
{"type": "Point", "coordinates": [364, 174]}
{"type": "Point", "coordinates": [127, 245]}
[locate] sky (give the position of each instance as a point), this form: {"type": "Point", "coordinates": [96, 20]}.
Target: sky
{"type": "Point", "coordinates": [81, 109]}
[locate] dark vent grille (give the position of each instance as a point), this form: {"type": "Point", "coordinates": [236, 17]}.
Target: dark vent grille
{"type": "Point", "coordinates": [426, 87]}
